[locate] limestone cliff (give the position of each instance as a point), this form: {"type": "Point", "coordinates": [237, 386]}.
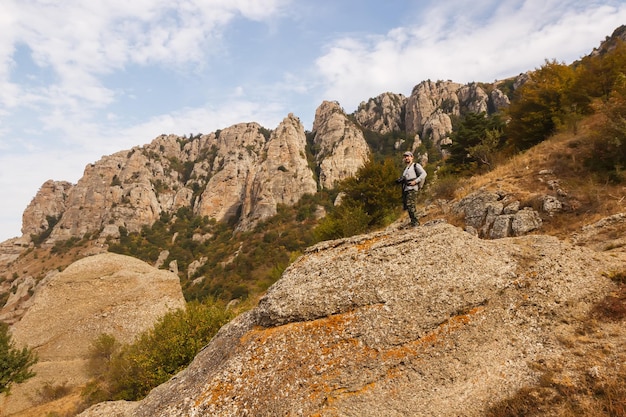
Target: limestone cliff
{"type": "Point", "coordinates": [51, 203]}
{"type": "Point", "coordinates": [244, 170]}
{"type": "Point", "coordinates": [422, 322]}
{"type": "Point", "coordinates": [341, 147]}
{"type": "Point", "coordinates": [283, 178]}
{"type": "Point", "coordinates": [383, 114]}
{"type": "Point", "coordinates": [428, 112]}
{"type": "Point", "coordinates": [432, 105]}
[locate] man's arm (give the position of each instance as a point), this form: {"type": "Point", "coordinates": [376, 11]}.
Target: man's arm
{"type": "Point", "coordinates": [421, 174]}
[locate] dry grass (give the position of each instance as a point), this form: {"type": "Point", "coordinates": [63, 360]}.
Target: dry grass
{"type": "Point", "coordinates": [591, 382]}
{"type": "Point", "coordinates": [595, 397]}
{"type": "Point", "coordinates": [530, 175]}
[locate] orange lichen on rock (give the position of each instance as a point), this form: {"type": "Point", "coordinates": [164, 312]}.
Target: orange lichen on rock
{"type": "Point", "coordinates": [367, 244]}
{"type": "Point", "coordinates": [317, 360]}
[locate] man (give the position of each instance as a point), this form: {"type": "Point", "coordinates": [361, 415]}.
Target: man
{"type": "Point", "coordinates": [412, 180]}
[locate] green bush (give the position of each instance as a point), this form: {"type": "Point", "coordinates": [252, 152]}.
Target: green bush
{"type": "Point", "coordinates": [475, 142]}
{"type": "Point", "coordinates": [15, 364]}
{"type": "Point", "coordinates": [541, 105]}
{"type": "Point", "coordinates": [609, 140]}
{"type": "Point", "coordinates": [371, 199]}
{"type": "Point", "coordinates": [129, 372]}
{"type": "Point", "coordinates": [347, 219]}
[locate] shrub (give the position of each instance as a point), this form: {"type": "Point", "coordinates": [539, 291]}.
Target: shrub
{"type": "Point", "coordinates": [15, 364]}
{"type": "Point", "coordinates": [131, 371]}
{"type": "Point", "coordinates": [49, 392]}
{"type": "Point", "coordinates": [475, 142]}
{"type": "Point", "coordinates": [370, 199]}
{"type": "Point", "coordinates": [541, 105]}
{"type": "Point", "coordinates": [609, 138]}
{"type": "Point", "coordinates": [347, 219]}
{"type": "Point", "coordinates": [444, 186]}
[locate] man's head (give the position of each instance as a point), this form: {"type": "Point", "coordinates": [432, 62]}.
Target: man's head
{"type": "Point", "coordinates": [407, 156]}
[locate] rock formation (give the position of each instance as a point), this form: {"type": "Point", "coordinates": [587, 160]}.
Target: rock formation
{"type": "Point", "coordinates": [50, 204]}
{"type": "Point", "coordinates": [425, 99]}
{"type": "Point", "coordinates": [342, 149]}
{"type": "Point", "coordinates": [495, 215]}
{"type": "Point", "coordinates": [241, 170]}
{"type": "Point", "coordinates": [113, 294]}
{"type": "Point", "coordinates": [283, 178]}
{"type": "Point", "coordinates": [431, 321]}
{"type": "Point", "coordinates": [383, 114]}
{"type": "Point", "coordinates": [432, 105]}
{"type": "Point", "coordinates": [429, 110]}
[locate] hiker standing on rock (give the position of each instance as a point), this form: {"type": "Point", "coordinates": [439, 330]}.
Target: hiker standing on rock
{"type": "Point", "coordinates": [412, 180]}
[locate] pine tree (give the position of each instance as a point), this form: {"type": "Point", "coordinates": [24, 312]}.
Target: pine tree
{"type": "Point", "coordinates": [15, 364]}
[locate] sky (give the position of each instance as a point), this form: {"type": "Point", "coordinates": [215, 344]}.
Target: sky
{"type": "Point", "coordinates": [80, 80]}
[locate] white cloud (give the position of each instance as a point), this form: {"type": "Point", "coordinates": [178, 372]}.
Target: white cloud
{"type": "Point", "coordinates": [79, 42]}
{"type": "Point", "coordinates": [451, 43]}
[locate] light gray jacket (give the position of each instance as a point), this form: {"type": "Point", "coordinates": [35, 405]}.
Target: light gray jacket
{"type": "Point", "coordinates": [413, 172]}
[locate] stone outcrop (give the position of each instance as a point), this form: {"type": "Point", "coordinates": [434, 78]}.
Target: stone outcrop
{"type": "Point", "coordinates": [432, 105]}
{"type": "Point", "coordinates": [11, 249]}
{"type": "Point", "coordinates": [383, 114]}
{"type": "Point", "coordinates": [107, 293]}
{"type": "Point", "coordinates": [429, 110]}
{"type": "Point", "coordinates": [342, 148]}
{"type": "Point", "coordinates": [606, 234]}
{"type": "Point", "coordinates": [283, 178]}
{"type": "Point", "coordinates": [611, 42]}
{"type": "Point", "coordinates": [425, 99]}
{"type": "Point", "coordinates": [495, 215]}
{"type": "Point", "coordinates": [420, 322]}
{"type": "Point", "coordinates": [47, 207]}
{"type": "Point", "coordinates": [20, 299]}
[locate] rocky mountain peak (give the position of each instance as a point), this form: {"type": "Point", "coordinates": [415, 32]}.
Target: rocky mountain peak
{"type": "Point", "coordinates": [341, 146]}
{"type": "Point", "coordinates": [432, 105]}
{"type": "Point", "coordinates": [383, 114]}
{"type": "Point", "coordinates": [49, 205]}
{"type": "Point", "coordinates": [283, 177]}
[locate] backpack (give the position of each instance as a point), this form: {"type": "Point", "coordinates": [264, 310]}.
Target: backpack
{"type": "Point", "coordinates": [417, 174]}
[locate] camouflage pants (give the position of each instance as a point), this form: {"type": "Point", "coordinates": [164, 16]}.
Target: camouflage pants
{"type": "Point", "coordinates": [410, 205]}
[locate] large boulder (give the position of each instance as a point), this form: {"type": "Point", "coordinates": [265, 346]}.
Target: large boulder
{"type": "Point", "coordinates": [420, 322]}
{"type": "Point", "coordinates": [107, 293]}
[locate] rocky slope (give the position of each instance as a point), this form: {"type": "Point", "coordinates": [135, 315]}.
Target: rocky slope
{"type": "Point", "coordinates": [105, 293]}
{"type": "Point", "coordinates": [430, 321]}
